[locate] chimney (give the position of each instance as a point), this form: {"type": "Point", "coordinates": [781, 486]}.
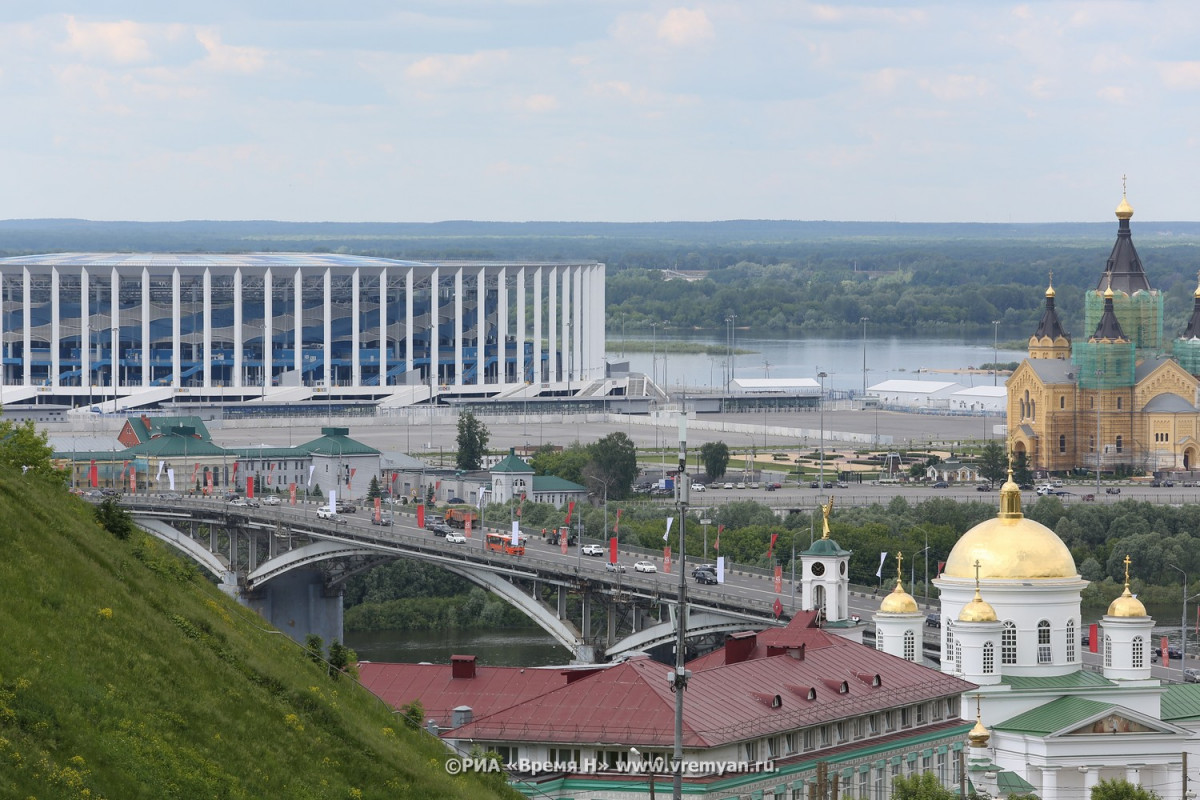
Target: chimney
{"type": "Point", "coordinates": [461, 715]}
{"type": "Point", "coordinates": [739, 646]}
{"type": "Point", "coordinates": [462, 666]}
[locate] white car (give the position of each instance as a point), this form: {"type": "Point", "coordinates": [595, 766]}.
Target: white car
{"type": "Point", "coordinates": [593, 550]}
{"type": "Point", "coordinates": [611, 567]}
{"type": "Point", "coordinates": [325, 512]}
{"type": "Point", "coordinates": [697, 487]}
{"type": "Point", "coordinates": [456, 538]}
{"type": "Point", "coordinates": [271, 500]}
{"type": "Point", "coordinates": [237, 501]}
{"type": "Point", "coordinates": [644, 566]}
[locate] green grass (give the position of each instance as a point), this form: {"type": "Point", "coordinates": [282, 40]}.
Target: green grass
{"type": "Point", "coordinates": [124, 674]}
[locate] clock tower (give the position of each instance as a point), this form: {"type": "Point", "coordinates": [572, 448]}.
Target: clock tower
{"type": "Point", "coordinates": [825, 578]}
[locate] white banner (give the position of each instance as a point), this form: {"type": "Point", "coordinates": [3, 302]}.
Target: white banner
{"type": "Point", "coordinates": [158, 477]}
{"type": "Point", "coordinates": [333, 500]}
{"type": "Point", "coordinates": [720, 569]}
{"type": "Point", "coordinates": [516, 533]}
{"type": "Point", "coordinates": [311, 468]}
{"type": "Point", "coordinates": [668, 533]}
{"type": "Point", "coordinates": [882, 558]}
{"type": "Point", "coordinates": [171, 478]}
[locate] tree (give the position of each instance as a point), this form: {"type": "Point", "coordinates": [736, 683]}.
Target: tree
{"type": "Point", "coordinates": [993, 463]}
{"type": "Point", "coordinates": [925, 786]}
{"type": "Point", "coordinates": [1022, 474]}
{"type": "Point", "coordinates": [373, 488]}
{"type": "Point", "coordinates": [613, 464]}
{"type": "Point", "coordinates": [472, 442]}
{"type": "Point", "coordinates": [568, 463]}
{"type": "Point", "coordinates": [23, 448]}
{"type": "Point", "coordinates": [1117, 789]}
{"type": "Point", "coordinates": [114, 519]}
{"type": "Point", "coordinates": [715, 456]}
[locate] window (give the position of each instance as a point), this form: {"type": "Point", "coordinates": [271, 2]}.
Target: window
{"type": "Point", "coordinates": [751, 750]}
{"type": "Point", "coordinates": [1062, 402]}
{"type": "Point", "coordinates": [873, 723]}
{"type": "Point", "coordinates": [810, 739]}
{"type": "Point", "coordinates": [841, 732]}
{"type": "Point", "coordinates": [910, 646]}
{"type": "Point", "coordinates": [926, 762]}
{"type": "Point", "coordinates": [1008, 643]}
{"type": "Point", "coordinates": [772, 747]}
{"type": "Point", "coordinates": [1139, 653]}
{"type": "Point", "coordinates": [1120, 444]}
{"type": "Point", "coordinates": [507, 754]}
{"type": "Point", "coordinates": [1070, 641]}
{"type": "Point", "coordinates": [1108, 651]}
{"type": "Point", "coordinates": [878, 640]}
{"type": "Point", "coordinates": [789, 741]}
{"type": "Point", "coordinates": [1091, 444]}
{"type": "Point", "coordinates": [889, 721]}
{"type": "Point", "coordinates": [989, 658]}
{"type": "Point", "coordinates": [1062, 444]}
{"type": "Point", "coordinates": [1045, 655]}
{"type": "Point", "coordinates": [859, 726]}
{"type": "Point", "coordinates": [906, 716]}
{"type": "Point", "coordinates": [1119, 399]}
{"type": "Point", "coordinates": [958, 657]}
{"type": "Point", "coordinates": [564, 755]}
{"type": "Point", "coordinates": [920, 713]}
{"type": "Point", "coordinates": [824, 736]}
{"type": "Point", "coordinates": [941, 766]}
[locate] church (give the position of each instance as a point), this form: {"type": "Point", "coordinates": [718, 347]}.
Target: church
{"type": "Point", "coordinates": [1046, 724]}
{"type": "Point", "coordinates": [1117, 402]}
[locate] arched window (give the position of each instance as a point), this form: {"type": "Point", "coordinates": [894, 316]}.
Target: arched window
{"type": "Point", "coordinates": [1062, 444]}
{"type": "Point", "coordinates": [989, 658]}
{"type": "Point", "coordinates": [1070, 641]}
{"type": "Point", "coordinates": [1062, 401]}
{"type": "Point", "coordinates": [1119, 399]}
{"type": "Point", "coordinates": [878, 640]}
{"type": "Point", "coordinates": [910, 646]}
{"type": "Point", "coordinates": [1092, 443]}
{"type": "Point", "coordinates": [1033, 410]}
{"type": "Point", "coordinates": [1008, 643]}
{"type": "Point", "coordinates": [949, 628]}
{"type": "Point", "coordinates": [1044, 649]}
{"type": "Point", "coordinates": [958, 657]}
{"type": "Point", "coordinates": [1138, 653]}
{"type": "Point", "coordinates": [1120, 443]}
{"type": "Point", "coordinates": [1108, 651]}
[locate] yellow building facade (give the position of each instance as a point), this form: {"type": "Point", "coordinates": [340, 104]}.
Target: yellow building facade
{"type": "Point", "coordinates": [1115, 402]}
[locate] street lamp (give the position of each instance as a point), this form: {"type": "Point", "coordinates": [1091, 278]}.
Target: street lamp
{"type": "Point", "coordinates": [912, 571]}
{"type": "Point", "coordinates": [731, 339]}
{"type": "Point", "coordinates": [654, 352]}
{"type": "Point", "coordinates": [821, 403]}
{"type": "Point", "coordinates": [925, 550]}
{"type": "Point", "coordinates": [864, 321]}
{"type": "Point", "coordinates": [1182, 618]}
{"type": "Point", "coordinates": [995, 351]}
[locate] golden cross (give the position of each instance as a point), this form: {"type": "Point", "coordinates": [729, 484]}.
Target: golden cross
{"type": "Point", "coordinates": [977, 573]}
{"type": "Point", "coordinates": [1122, 184]}
{"type": "Point", "coordinates": [899, 562]}
{"type": "Point", "coordinates": [1127, 563]}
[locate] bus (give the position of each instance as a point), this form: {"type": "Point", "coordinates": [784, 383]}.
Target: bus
{"type": "Point", "coordinates": [502, 543]}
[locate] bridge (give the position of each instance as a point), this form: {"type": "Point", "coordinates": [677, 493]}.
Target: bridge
{"type": "Point", "coordinates": [290, 566]}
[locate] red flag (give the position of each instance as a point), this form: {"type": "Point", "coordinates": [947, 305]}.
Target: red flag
{"type": "Point", "coordinates": [667, 559]}
{"type": "Point", "coordinates": [378, 513]}
{"type": "Point", "coordinates": [209, 479]}
{"type": "Point", "coordinates": [777, 608]}
{"type": "Point", "coordinates": [235, 467]}
{"type": "Point", "coordinates": [437, 486]}
{"type": "Point", "coordinates": [564, 535]}
{"type": "Point", "coordinates": [1094, 638]}
{"type": "Point", "coordinates": [1166, 653]}
{"type": "Point", "coordinates": [612, 550]}
{"type": "Point", "coordinates": [249, 486]}
{"type": "Point", "coordinates": [570, 508]}
{"type": "Point", "coordinates": [94, 475]}
{"type": "Point", "coordinates": [941, 565]}
{"type": "Point", "coordinates": [618, 524]}
{"type": "Point", "coordinates": [292, 492]}
{"type": "Point", "coordinates": [778, 579]}
{"type": "Point", "coordinates": [717, 541]}
{"type": "Point", "coordinates": [133, 478]}
{"type": "Point", "coordinates": [771, 546]}
{"type": "Point", "coordinates": [195, 471]}
{"type": "Point", "coordinates": [421, 515]}
{"type": "Point", "coordinates": [466, 527]}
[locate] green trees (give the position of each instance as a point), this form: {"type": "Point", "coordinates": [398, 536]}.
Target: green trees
{"type": "Point", "coordinates": [472, 442]}
{"type": "Point", "coordinates": [1121, 790]}
{"type": "Point", "coordinates": [715, 456]}
{"type": "Point", "coordinates": [993, 463]}
{"type": "Point", "coordinates": [612, 466]}
{"type": "Point", "coordinates": [925, 786]}
{"type": "Point", "coordinates": [23, 448]}
{"type": "Point", "coordinates": [113, 518]}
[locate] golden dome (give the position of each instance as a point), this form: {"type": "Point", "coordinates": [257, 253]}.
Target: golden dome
{"type": "Point", "coordinates": [1050, 291]}
{"type": "Point", "coordinates": [979, 735]}
{"type": "Point", "coordinates": [898, 601]}
{"type": "Point", "coordinates": [978, 610]}
{"type": "Point", "coordinates": [1127, 605]}
{"type": "Point", "coordinates": [1124, 211]}
{"type": "Point", "coordinates": [1009, 546]}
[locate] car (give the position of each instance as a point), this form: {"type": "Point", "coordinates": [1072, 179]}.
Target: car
{"type": "Point", "coordinates": [1025, 487]}
{"type": "Point", "coordinates": [727, 486]}
{"type": "Point", "coordinates": [775, 485]}
{"type": "Point", "coordinates": [1172, 652]}
{"type": "Point", "coordinates": [456, 538]}
{"type": "Point", "coordinates": [384, 519]}
{"type": "Point", "coordinates": [706, 577]}
{"type": "Point", "coordinates": [592, 550]}
{"type": "Point", "coordinates": [1191, 676]}
{"type": "Point", "coordinates": [983, 487]}
{"type": "Point", "coordinates": [697, 487]}
{"type": "Point", "coordinates": [456, 500]}
{"type": "Point", "coordinates": [440, 529]}
{"type": "Point", "coordinates": [237, 501]}
{"type": "Point", "coordinates": [271, 500]}
{"type": "Point", "coordinates": [345, 507]}
{"type": "Point", "coordinates": [1190, 484]}
{"type": "Point", "coordinates": [941, 485]}
{"type": "Point", "coordinates": [1113, 490]}
{"type": "Point", "coordinates": [611, 567]}
{"type": "Point", "coordinates": [325, 512]}
{"type": "Point", "coordinates": [704, 568]}
{"type": "Point", "coordinates": [770, 487]}
{"type": "Point", "coordinates": [741, 485]}
{"type": "Point", "coordinates": [754, 485]}
{"type": "Point", "coordinates": [253, 502]}
{"type": "Point", "coordinates": [644, 566]}
{"type": "Point", "coordinates": [842, 485]}
{"type": "Point", "coordinates": [933, 621]}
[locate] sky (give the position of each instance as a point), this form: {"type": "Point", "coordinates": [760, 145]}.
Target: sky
{"type": "Point", "coordinates": [599, 110]}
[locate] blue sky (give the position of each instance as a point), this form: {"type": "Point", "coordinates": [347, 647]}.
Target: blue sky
{"type": "Point", "coordinates": [599, 110]}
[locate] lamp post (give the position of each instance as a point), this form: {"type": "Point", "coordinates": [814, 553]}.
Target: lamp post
{"type": "Point", "coordinates": [653, 352]}
{"type": "Point", "coordinates": [821, 403]}
{"type": "Point", "coordinates": [1182, 618]}
{"type": "Point", "coordinates": [995, 351]}
{"type": "Point", "coordinates": [864, 321]}
{"type": "Point", "coordinates": [912, 571]}
{"type": "Point", "coordinates": [681, 674]}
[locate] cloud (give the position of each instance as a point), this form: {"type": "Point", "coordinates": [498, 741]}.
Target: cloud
{"type": "Point", "coordinates": [682, 27]}
{"type": "Point", "coordinates": [120, 42]}
{"type": "Point", "coordinates": [228, 58]}
{"type": "Point", "coordinates": [1180, 74]}
{"type": "Point", "coordinates": [540, 102]}
{"type": "Point", "coordinates": [454, 69]}
{"type": "Point", "coordinates": [956, 87]}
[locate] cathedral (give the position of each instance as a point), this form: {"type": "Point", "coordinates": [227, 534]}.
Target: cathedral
{"type": "Point", "coordinates": [1117, 402]}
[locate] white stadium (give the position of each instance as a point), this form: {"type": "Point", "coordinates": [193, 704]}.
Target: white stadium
{"type": "Point", "coordinates": [126, 330]}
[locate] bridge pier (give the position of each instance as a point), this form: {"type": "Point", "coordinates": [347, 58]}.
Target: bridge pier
{"type": "Point", "coordinates": [610, 636]}
{"type": "Point", "coordinates": [298, 604]}
{"type": "Point", "coordinates": [585, 623]}
{"type": "Point", "coordinates": [562, 602]}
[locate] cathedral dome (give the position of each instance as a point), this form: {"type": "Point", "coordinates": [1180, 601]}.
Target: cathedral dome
{"type": "Point", "coordinates": [1126, 606]}
{"type": "Point", "coordinates": [1010, 546]}
{"type": "Point", "coordinates": [898, 601]}
{"type": "Point", "coordinates": [1124, 211]}
{"type": "Point", "coordinates": [978, 610]}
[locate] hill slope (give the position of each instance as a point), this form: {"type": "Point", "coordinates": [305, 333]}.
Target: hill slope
{"type": "Point", "coordinates": [125, 674]}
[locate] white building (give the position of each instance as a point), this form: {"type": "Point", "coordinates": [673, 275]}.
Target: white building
{"type": "Point", "coordinates": [124, 330]}
{"type": "Point", "coordinates": [987, 399]}
{"type": "Point", "coordinates": [914, 394]}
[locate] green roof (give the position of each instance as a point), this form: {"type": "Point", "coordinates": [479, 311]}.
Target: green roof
{"type": "Point", "coordinates": [336, 442]}
{"type": "Point", "coordinates": [172, 446]}
{"type": "Point", "coordinates": [1054, 716]}
{"type": "Point", "coordinates": [1081, 679]}
{"type": "Point", "coordinates": [146, 428]}
{"type": "Point", "coordinates": [248, 451]}
{"type": "Point", "coordinates": [1181, 701]}
{"type": "Point", "coordinates": [512, 463]}
{"type": "Point", "coordinates": [550, 483]}
{"type": "Point", "coordinates": [825, 547]}
{"type": "Point", "coordinates": [1011, 783]}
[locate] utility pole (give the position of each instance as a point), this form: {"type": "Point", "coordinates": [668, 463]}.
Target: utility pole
{"type": "Point", "coordinates": [679, 678]}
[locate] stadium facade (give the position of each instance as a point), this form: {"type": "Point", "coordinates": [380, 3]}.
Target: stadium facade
{"type": "Point", "coordinates": [138, 329]}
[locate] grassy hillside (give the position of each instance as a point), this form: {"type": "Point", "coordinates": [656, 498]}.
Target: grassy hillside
{"type": "Point", "coordinates": [125, 674]}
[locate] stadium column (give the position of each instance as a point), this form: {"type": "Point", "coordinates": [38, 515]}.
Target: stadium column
{"type": "Point", "coordinates": [502, 326]}
{"type": "Point", "coordinates": [579, 330]}
{"type": "Point", "coordinates": [237, 328]}
{"type": "Point", "coordinates": [355, 322]}
{"type": "Point", "coordinates": [176, 289]}
{"type": "Point", "coordinates": [298, 325]}
{"type": "Point", "coordinates": [551, 324]}
{"type": "Point", "coordinates": [435, 355]}
{"type": "Point", "coordinates": [519, 364]}
{"type": "Point", "coordinates": [54, 326]}
{"type": "Point", "coordinates": [268, 330]}
{"type": "Point", "coordinates": [409, 284]}
{"type": "Point", "coordinates": [565, 322]}
{"type": "Point", "coordinates": [85, 330]}
{"type": "Point", "coordinates": [26, 332]}
{"type": "Point", "coordinates": [146, 311]}
{"type": "Point", "coordinates": [114, 331]}
{"type": "Point", "coordinates": [383, 328]}
{"type": "Point", "coordinates": [327, 329]}
{"type": "Point", "coordinates": [206, 356]}
{"type": "Point", "coordinates": [535, 369]}
{"type": "Point", "coordinates": [458, 326]}
{"type": "Point", "coordinates": [480, 325]}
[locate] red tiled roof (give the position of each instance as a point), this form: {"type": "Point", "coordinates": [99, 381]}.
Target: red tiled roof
{"type": "Point", "coordinates": [492, 689]}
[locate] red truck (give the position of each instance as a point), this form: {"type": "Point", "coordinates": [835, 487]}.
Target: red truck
{"type": "Point", "coordinates": [458, 517]}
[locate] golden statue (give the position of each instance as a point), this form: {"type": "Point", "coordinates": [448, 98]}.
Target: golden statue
{"type": "Point", "coordinates": [826, 510]}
